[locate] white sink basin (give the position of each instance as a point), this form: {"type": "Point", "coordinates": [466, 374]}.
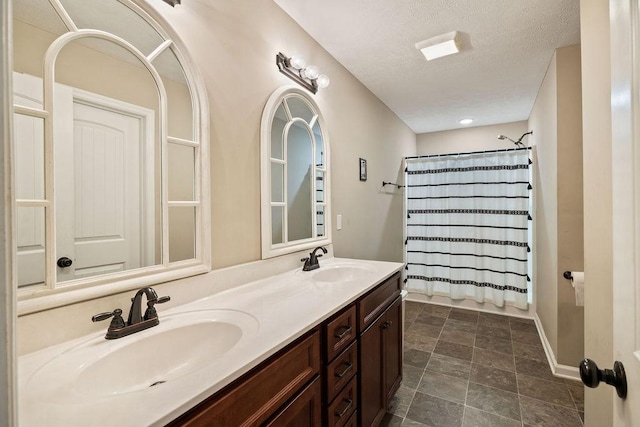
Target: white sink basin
{"type": "Point", "coordinates": [182, 344]}
{"type": "Point", "coordinates": [339, 273]}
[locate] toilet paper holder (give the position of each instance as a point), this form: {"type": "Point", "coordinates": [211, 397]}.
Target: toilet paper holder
{"type": "Point", "coordinates": [567, 275]}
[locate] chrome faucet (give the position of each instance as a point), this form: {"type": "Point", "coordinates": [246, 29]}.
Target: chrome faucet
{"type": "Point", "coordinates": [311, 262]}
{"type": "Point", "coordinates": [136, 321]}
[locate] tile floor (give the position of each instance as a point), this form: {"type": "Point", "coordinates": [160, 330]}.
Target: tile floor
{"type": "Point", "coordinates": [465, 368]}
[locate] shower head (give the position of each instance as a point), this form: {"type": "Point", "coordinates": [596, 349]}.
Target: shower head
{"type": "Point", "coordinates": [519, 142]}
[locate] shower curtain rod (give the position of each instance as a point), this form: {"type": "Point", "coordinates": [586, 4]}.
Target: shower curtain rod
{"type": "Point", "coordinates": [470, 152]}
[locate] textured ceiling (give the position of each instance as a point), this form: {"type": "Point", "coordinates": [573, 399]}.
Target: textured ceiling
{"type": "Point", "coordinates": [495, 79]}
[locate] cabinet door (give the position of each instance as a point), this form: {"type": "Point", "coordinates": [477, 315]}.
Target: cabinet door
{"type": "Point", "coordinates": [392, 349]}
{"type": "Point", "coordinates": [303, 411]}
{"type": "Point", "coordinates": [380, 364]}
{"type": "Point", "coordinates": [372, 395]}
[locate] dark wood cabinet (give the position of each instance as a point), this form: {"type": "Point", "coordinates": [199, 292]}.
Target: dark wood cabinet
{"type": "Point", "coordinates": [255, 397]}
{"type": "Point", "coordinates": [343, 373]}
{"type": "Point", "coordinates": [380, 350]}
{"type": "Point", "coordinates": [305, 410]}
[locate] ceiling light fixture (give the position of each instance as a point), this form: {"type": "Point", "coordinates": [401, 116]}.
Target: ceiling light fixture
{"type": "Point", "coordinates": [172, 3]}
{"type": "Point", "coordinates": [296, 68]}
{"type": "Point", "coordinates": [439, 46]}
{"type": "Point", "coordinates": [467, 121]}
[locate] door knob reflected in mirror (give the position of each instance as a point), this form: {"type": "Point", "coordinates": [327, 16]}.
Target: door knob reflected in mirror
{"type": "Point", "coordinates": [64, 262]}
{"type": "Point", "coordinates": [591, 376]}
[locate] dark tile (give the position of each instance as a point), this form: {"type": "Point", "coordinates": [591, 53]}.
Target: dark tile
{"type": "Point", "coordinates": [411, 376]}
{"type": "Point", "coordinates": [437, 310]}
{"type": "Point", "coordinates": [495, 359]}
{"type": "Point", "coordinates": [502, 333]}
{"type": "Point", "coordinates": [419, 341]}
{"type": "Point", "coordinates": [476, 418]}
{"type": "Point", "coordinates": [513, 319]}
{"type": "Point", "coordinates": [433, 411]}
{"type": "Point", "coordinates": [495, 316]}
{"type": "Point", "coordinates": [410, 423]}
{"type": "Point", "coordinates": [493, 400]}
{"type": "Point", "coordinates": [460, 351]}
{"type": "Point", "coordinates": [465, 315]}
{"type": "Point", "coordinates": [400, 402]}
{"type": "Point", "coordinates": [390, 420]}
{"type": "Point", "coordinates": [428, 319]}
{"type": "Point", "coordinates": [461, 325]}
{"type": "Point", "coordinates": [538, 413]}
{"type": "Point", "coordinates": [458, 337]}
{"type": "Point", "coordinates": [493, 377]}
{"type": "Point", "coordinates": [449, 366]}
{"type": "Point", "coordinates": [581, 413]}
{"type": "Point", "coordinates": [493, 343]}
{"type": "Point", "coordinates": [577, 394]}
{"type": "Point", "coordinates": [417, 358]}
{"type": "Point", "coordinates": [535, 368]}
{"type": "Point", "coordinates": [525, 337]}
{"type": "Point", "coordinates": [443, 386]}
{"type": "Point", "coordinates": [551, 392]}
{"type": "Point", "coordinates": [494, 322]}
{"type": "Point", "coordinates": [413, 306]}
{"type": "Point", "coordinates": [524, 327]}
{"type": "Point", "coordinates": [423, 328]}
{"type": "Point", "coordinates": [535, 352]}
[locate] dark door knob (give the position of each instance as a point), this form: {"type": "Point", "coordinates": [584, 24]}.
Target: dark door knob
{"type": "Point", "coordinates": [591, 376]}
{"type": "Point", "coordinates": [64, 262]}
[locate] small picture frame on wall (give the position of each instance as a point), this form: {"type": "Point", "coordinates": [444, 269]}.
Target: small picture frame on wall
{"type": "Point", "coordinates": [363, 169]}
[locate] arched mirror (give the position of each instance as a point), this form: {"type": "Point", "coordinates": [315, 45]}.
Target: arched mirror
{"type": "Point", "coordinates": [295, 174]}
{"type": "Point", "coordinates": [109, 119]}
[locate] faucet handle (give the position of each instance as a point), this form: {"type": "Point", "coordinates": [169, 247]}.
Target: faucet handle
{"type": "Point", "coordinates": [116, 323]}
{"type": "Point", "coordinates": [151, 310]}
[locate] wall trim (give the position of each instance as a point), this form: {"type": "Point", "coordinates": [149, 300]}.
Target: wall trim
{"type": "Point", "coordinates": [562, 371]}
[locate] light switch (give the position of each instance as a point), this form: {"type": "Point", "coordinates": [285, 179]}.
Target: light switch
{"type": "Point", "coordinates": [339, 222]}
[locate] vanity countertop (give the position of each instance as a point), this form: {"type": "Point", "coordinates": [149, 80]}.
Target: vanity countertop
{"type": "Point", "coordinates": [276, 311]}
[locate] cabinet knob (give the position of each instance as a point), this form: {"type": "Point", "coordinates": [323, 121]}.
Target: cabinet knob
{"type": "Point", "coordinates": [591, 376]}
{"type": "Point", "coordinates": [387, 324]}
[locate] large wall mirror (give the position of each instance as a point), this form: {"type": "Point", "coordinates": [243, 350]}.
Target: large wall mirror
{"type": "Point", "coordinates": [109, 120]}
{"type": "Point", "coordinates": [295, 174]}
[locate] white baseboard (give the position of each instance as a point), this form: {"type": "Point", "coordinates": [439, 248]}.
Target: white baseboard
{"type": "Point", "coordinates": [562, 371]}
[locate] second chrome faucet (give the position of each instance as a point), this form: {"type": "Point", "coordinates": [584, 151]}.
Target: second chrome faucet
{"type": "Point", "coordinates": [136, 321]}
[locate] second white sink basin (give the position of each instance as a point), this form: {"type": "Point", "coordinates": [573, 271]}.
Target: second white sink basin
{"type": "Point", "coordinates": [182, 344]}
{"type": "Point", "coordinates": [339, 273]}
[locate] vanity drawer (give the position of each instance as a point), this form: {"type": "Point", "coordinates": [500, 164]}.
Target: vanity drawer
{"type": "Point", "coordinates": [341, 370]}
{"type": "Point", "coordinates": [373, 304]}
{"type": "Point", "coordinates": [340, 410]}
{"type": "Point", "coordinates": [340, 332]}
{"type": "Point", "coordinates": [252, 399]}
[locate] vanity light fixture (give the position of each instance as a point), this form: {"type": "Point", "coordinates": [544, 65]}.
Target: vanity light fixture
{"type": "Point", "coordinates": [466, 121]}
{"type": "Point", "coordinates": [439, 46]}
{"type": "Point", "coordinates": [296, 68]}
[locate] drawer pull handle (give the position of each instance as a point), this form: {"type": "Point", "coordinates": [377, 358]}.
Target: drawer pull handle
{"type": "Point", "coordinates": [348, 367]}
{"type": "Point", "coordinates": [341, 414]}
{"type": "Point", "coordinates": [347, 330]}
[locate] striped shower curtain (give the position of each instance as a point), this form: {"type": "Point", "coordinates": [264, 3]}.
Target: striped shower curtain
{"type": "Point", "coordinates": [468, 226]}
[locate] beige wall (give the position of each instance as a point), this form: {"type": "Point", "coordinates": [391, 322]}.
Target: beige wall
{"type": "Point", "coordinates": [471, 139]}
{"type": "Point", "coordinates": [234, 45]}
{"type": "Point", "coordinates": [544, 121]}
{"type": "Point", "coordinates": [570, 209]}
{"type": "Point", "coordinates": [598, 248]}
{"type": "Point", "coordinates": [557, 120]}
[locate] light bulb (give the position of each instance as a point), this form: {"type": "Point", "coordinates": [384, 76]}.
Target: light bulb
{"type": "Point", "coordinates": [311, 72]}
{"type": "Point", "coordinates": [323, 81]}
{"type": "Point", "coordinates": [297, 62]}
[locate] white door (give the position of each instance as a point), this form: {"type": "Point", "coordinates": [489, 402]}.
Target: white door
{"type": "Point", "coordinates": [104, 191]}
{"type": "Point", "coordinates": [626, 203]}
{"type": "Point", "coordinates": [98, 188]}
